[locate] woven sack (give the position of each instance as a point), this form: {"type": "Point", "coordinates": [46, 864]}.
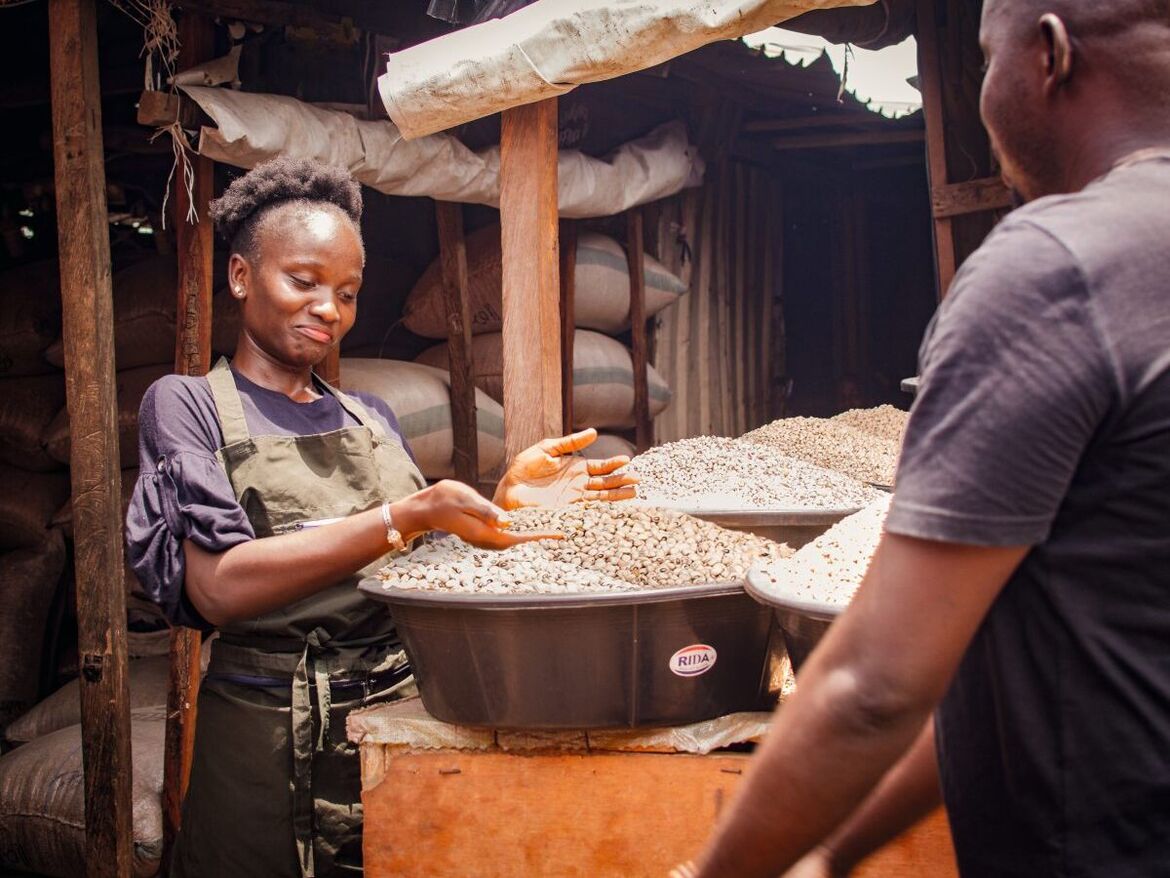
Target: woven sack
{"type": "Point", "coordinates": [27, 407]}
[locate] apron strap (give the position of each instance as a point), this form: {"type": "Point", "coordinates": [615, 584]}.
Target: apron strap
{"type": "Point", "coordinates": [228, 404]}
{"type": "Point", "coordinates": [360, 413]}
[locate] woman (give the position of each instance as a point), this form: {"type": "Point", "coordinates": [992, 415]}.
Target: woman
{"type": "Point", "coordinates": [264, 496]}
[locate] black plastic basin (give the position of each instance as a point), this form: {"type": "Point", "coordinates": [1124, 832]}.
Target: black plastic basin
{"type": "Point", "coordinates": [585, 661]}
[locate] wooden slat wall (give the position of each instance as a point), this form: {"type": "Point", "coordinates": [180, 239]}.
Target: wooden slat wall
{"type": "Point", "coordinates": [720, 347]}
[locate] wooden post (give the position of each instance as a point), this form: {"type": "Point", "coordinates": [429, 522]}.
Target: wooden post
{"type": "Point", "coordinates": [457, 296]}
{"type": "Point", "coordinates": [643, 426]}
{"type": "Point", "coordinates": [531, 312]}
{"type": "Point", "coordinates": [936, 151]}
{"type": "Point", "coordinates": [195, 246]}
{"type": "Point", "coordinates": [88, 321]}
{"type": "Point", "coordinates": [568, 268]}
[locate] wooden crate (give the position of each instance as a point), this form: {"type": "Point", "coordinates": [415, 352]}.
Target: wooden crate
{"type": "Point", "coordinates": [445, 801]}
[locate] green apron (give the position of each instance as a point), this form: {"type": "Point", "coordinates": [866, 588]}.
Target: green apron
{"type": "Point", "coordinates": [275, 786]}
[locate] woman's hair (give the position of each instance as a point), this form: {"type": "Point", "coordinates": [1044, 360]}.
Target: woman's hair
{"type": "Point", "coordinates": [240, 212]}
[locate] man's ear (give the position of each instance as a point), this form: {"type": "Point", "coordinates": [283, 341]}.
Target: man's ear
{"type": "Point", "coordinates": [1058, 49]}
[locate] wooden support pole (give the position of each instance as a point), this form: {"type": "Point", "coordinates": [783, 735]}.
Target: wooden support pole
{"type": "Point", "coordinates": [848, 138]}
{"type": "Point", "coordinates": [457, 298]}
{"type": "Point", "coordinates": [88, 321]}
{"type": "Point", "coordinates": [643, 426]}
{"type": "Point", "coordinates": [974, 196]}
{"type": "Point", "coordinates": [531, 308]}
{"type": "Point", "coordinates": [194, 245]}
{"type": "Point", "coordinates": [930, 79]}
{"type": "Point", "coordinates": [568, 268]}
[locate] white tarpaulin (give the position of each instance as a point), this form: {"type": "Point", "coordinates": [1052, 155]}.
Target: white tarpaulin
{"type": "Point", "coordinates": [552, 46]}
{"type": "Point", "coordinates": [254, 127]}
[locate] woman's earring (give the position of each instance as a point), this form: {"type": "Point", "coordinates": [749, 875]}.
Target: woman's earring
{"type": "Point", "coordinates": [239, 292]}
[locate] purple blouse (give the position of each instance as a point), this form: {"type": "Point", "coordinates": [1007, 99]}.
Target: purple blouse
{"type": "Point", "coordinates": [182, 492]}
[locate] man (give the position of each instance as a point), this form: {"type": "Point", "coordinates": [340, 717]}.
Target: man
{"type": "Point", "coordinates": [1023, 585]}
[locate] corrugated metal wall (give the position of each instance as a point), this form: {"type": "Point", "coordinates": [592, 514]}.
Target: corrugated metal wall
{"type": "Point", "coordinates": [721, 346]}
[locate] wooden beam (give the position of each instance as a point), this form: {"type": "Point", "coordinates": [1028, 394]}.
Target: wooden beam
{"type": "Point", "coordinates": [88, 320]}
{"type": "Point", "coordinates": [568, 269]}
{"type": "Point", "coordinates": [194, 246]}
{"type": "Point", "coordinates": [974, 196]}
{"type": "Point", "coordinates": [806, 123]}
{"type": "Point", "coordinates": [531, 307]}
{"type": "Point", "coordinates": [274, 12]}
{"type": "Point", "coordinates": [635, 250]}
{"type": "Point", "coordinates": [848, 138]}
{"type": "Point", "coordinates": [930, 81]}
{"type": "Point", "coordinates": [457, 298]}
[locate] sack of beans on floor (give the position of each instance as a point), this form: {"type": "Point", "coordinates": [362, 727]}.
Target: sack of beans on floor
{"type": "Point", "coordinates": [131, 387]}
{"type": "Point", "coordinates": [603, 377]}
{"type": "Point", "coordinates": [28, 583]}
{"type": "Point", "coordinates": [30, 320]}
{"type": "Point", "coordinates": [27, 407]}
{"type": "Point", "coordinates": [601, 291]}
{"type": "Point", "coordinates": [42, 800]}
{"type": "Point", "coordinates": [27, 505]}
{"type": "Point", "coordinates": [420, 397]}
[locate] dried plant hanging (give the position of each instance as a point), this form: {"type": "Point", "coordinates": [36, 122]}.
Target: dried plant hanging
{"type": "Point", "coordinates": [160, 38]}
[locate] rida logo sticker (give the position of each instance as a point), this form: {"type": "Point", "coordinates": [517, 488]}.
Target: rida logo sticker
{"type": "Point", "coordinates": [691, 661]}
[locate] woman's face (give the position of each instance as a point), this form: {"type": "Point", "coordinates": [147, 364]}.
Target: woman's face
{"type": "Point", "coordinates": [299, 295]}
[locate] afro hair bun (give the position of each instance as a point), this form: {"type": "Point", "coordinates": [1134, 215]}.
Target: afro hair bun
{"type": "Point", "coordinates": [279, 180]}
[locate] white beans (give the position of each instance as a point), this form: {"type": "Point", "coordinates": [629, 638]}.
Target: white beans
{"type": "Point", "coordinates": [833, 445]}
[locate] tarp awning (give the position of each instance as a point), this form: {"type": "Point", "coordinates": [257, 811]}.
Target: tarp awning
{"type": "Point", "coordinates": [552, 46]}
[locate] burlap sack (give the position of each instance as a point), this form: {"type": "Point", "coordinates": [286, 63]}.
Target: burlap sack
{"type": "Point", "coordinates": [30, 319]}
{"type": "Point", "coordinates": [27, 407]}
{"type": "Point", "coordinates": [420, 397]}
{"type": "Point", "coordinates": [149, 679]}
{"type": "Point", "coordinates": [607, 445]}
{"type": "Point", "coordinates": [145, 302]}
{"type": "Point", "coordinates": [132, 385]}
{"type": "Point", "coordinates": [28, 582]}
{"type": "Point", "coordinates": [603, 377]}
{"type": "Point", "coordinates": [42, 800]}
{"type": "Point", "coordinates": [27, 505]}
{"type": "Point", "coordinates": [601, 294]}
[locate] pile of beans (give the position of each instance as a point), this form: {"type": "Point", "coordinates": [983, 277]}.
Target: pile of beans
{"type": "Point", "coordinates": [832, 445]}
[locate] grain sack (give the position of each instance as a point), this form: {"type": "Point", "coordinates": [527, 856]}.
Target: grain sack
{"type": "Point", "coordinates": [27, 505]}
{"type": "Point", "coordinates": [608, 445]}
{"type": "Point", "coordinates": [28, 583]}
{"type": "Point", "coordinates": [420, 397]}
{"type": "Point", "coordinates": [42, 800]}
{"type": "Point", "coordinates": [30, 319]}
{"type": "Point", "coordinates": [145, 301]}
{"type": "Point", "coordinates": [603, 377]}
{"type": "Point", "coordinates": [601, 292]}
{"type": "Point", "coordinates": [27, 407]}
{"type": "Point", "coordinates": [132, 385]}
{"type": "Point", "coordinates": [149, 679]}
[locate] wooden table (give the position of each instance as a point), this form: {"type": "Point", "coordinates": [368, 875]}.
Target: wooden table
{"type": "Point", "coordinates": [444, 800]}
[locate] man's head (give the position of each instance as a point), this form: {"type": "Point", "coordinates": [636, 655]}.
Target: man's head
{"type": "Point", "coordinates": [1068, 82]}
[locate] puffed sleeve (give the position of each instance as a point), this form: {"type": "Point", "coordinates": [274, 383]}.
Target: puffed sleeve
{"type": "Point", "coordinates": [182, 493]}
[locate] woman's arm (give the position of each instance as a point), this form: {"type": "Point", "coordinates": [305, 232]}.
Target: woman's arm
{"type": "Point", "coordinates": [262, 575]}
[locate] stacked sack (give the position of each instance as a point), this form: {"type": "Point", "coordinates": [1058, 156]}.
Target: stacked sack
{"type": "Point", "coordinates": [32, 555]}
{"type": "Point", "coordinates": [603, 374]}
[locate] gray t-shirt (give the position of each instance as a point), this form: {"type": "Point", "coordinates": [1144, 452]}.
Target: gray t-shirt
{"type": "Point", "coordinates": [1043, 419]}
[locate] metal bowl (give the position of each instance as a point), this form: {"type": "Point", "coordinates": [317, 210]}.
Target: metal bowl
{"type": "Point", "coordinates": [802, 623]}
{"type": "Point", "coordinates": [582, 661]}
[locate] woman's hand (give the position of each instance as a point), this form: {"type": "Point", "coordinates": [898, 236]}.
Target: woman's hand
{"type": "Point", "coordinates": [547, 474]}
{"type": "Point", "coordinates": [457, 509]}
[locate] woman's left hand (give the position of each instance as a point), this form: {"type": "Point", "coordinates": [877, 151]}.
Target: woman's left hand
{"type": "Point", "coordinates": [548, 474]}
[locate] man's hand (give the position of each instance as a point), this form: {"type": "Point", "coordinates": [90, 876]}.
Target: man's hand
{"type": "Point", "coordinates": [549, 474]}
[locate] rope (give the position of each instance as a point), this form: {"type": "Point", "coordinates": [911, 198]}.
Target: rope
{"type": "Point", "coordinates": [182, 149]}
{"type": "Point", "coordinates": [160, 36]}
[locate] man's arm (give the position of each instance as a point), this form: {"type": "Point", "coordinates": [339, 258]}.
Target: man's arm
{"type": "Point", "coordinates": [861, 701]}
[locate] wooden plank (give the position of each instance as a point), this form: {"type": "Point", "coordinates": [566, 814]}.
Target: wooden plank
{"type": "Point", "coordinates": [740, 344]}
{"type": "Point", "coordinates": [497, 815]}
{"type": "Point", "coordinates": [568, 270]}
{"type": "Point", "coordinates": [930, 83]}
{"type": "Point", "coordinates": [848, 138]}
{"type": "Point", "coordinates": [720, 302]}
{"type": "Point", "coordinates": [87, 329]}
{"type": "Point", "coordinates": [331, 28]}
{"type": "Point", "coordinates": [700, 422]}
{"type": "Point", "coordinates": [925, 850]}
{"type": "Point", "coordinates": [974, 196]}
{"type": "Point", "coordinates": [457, 299]}
{"type": "Point", "coordinates": [753, 298]}
{"type": "Point", "coordinates": [808, 123]}
{"type": "Point", "coordinates": [635, 250]}
{"type": "Point", "coordinates": [531, 307]}
{"type": "Point", "coordinates": [194, 249]}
